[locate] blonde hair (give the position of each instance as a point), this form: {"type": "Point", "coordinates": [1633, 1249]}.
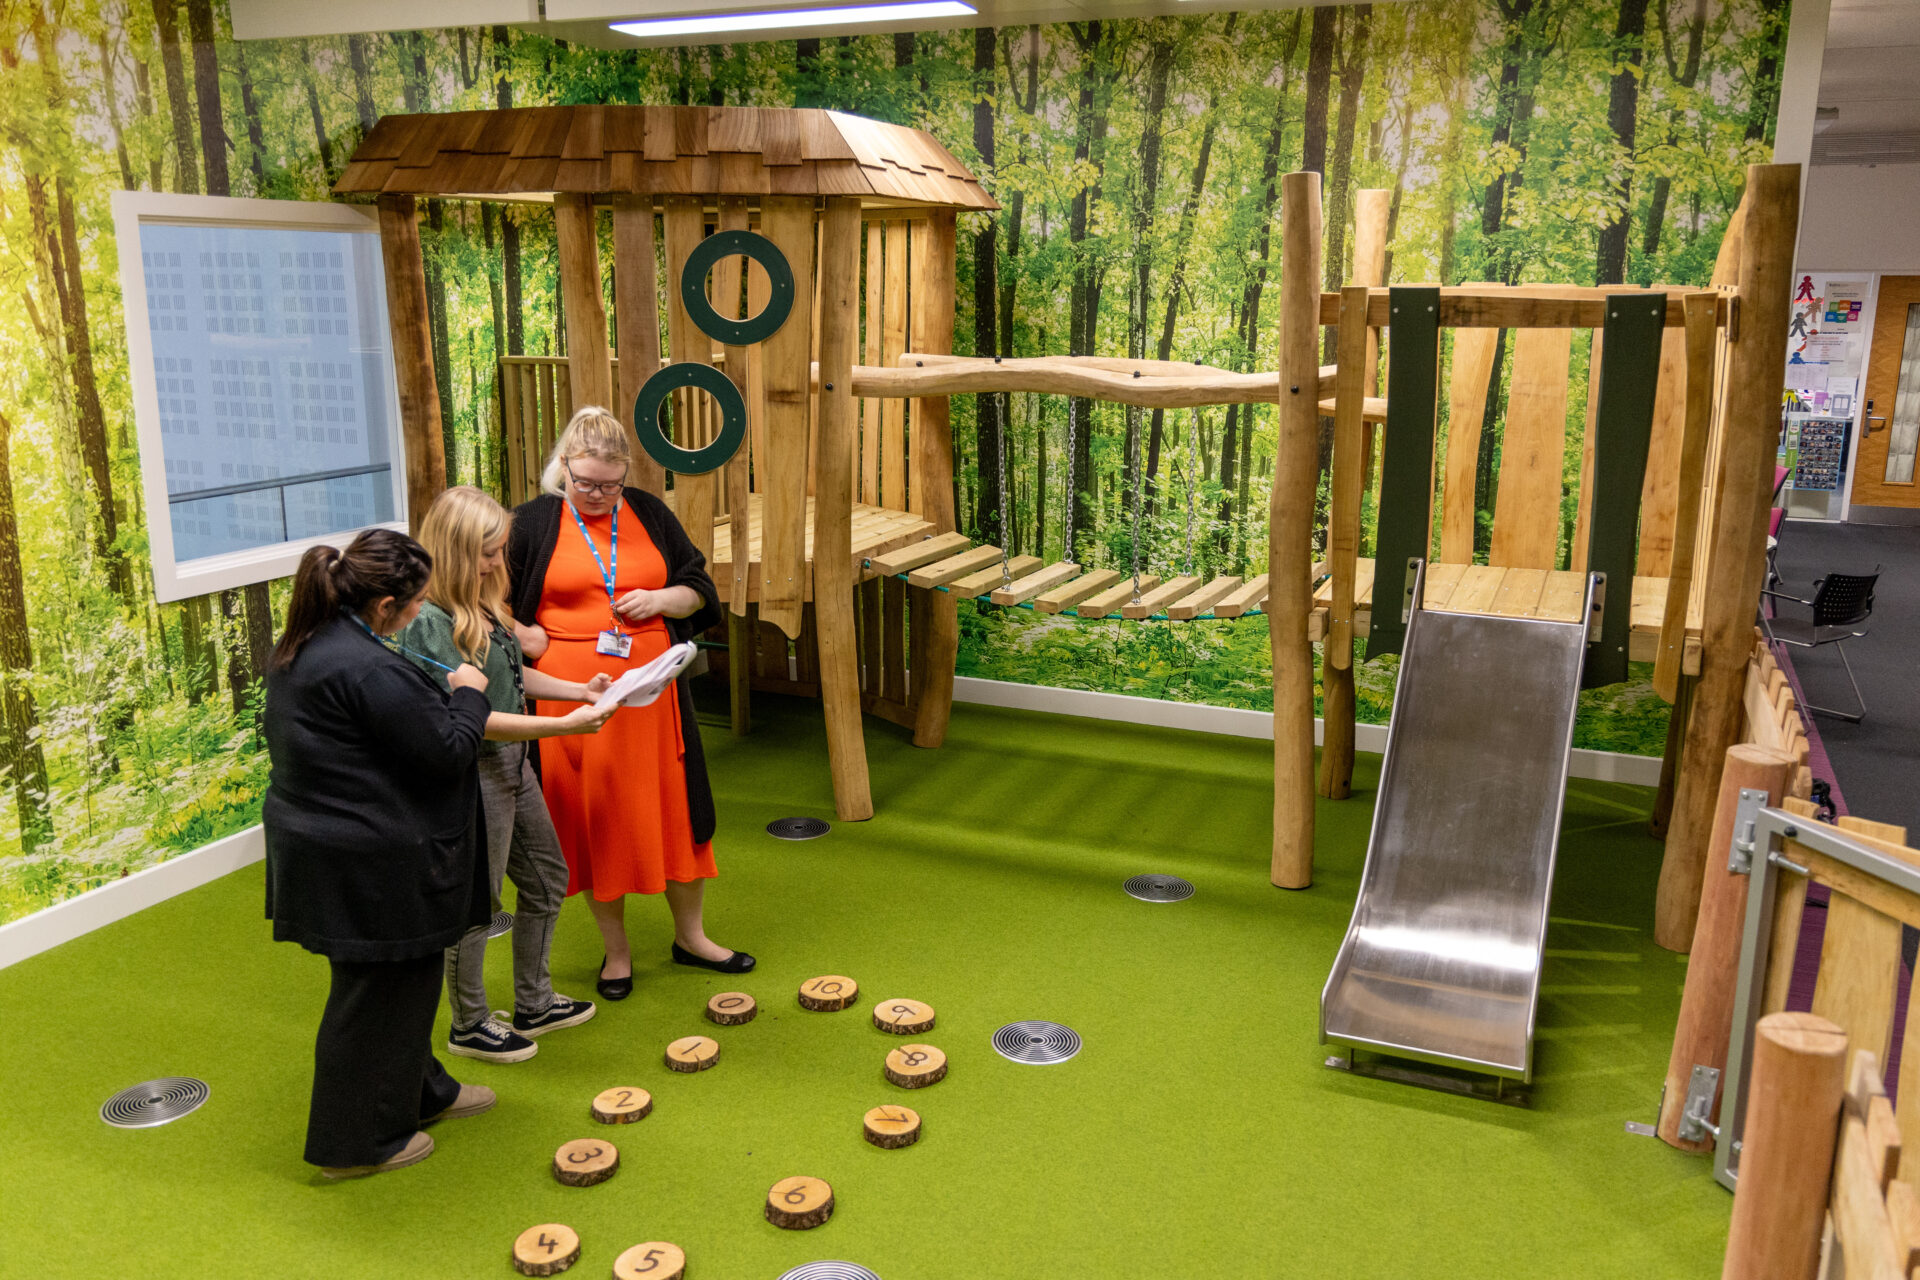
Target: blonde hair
{"type": "Point", "coordinates": [592, 432]}
{"type": "Point", "coordinates": [460, 525]}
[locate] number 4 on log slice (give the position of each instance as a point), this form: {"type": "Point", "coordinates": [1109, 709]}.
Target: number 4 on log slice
{"type": "Point", "coordinates": [585, 1161]}
{"type": "Point", "coordinates": [890, 1127]}
{"type": "Point", "coordinates": [828, 992]}
{"type": "Point", "coordinates": [799, 1203]}
{"type": "Point", "coordinates": [914, 1066]}
{"type": "Point", "coordinates": [546, 1250]}
{"type": "Point", "coordinates": [622, 1105]}
{"type": "Point", "coordinates": [654, 1260]}
{"type": "Point", "coordinates": [692, 1053]}
{"type": "Point", "coordinates": [903, 1017]}
{"type": "Point", "coordinates": [731, 1008]}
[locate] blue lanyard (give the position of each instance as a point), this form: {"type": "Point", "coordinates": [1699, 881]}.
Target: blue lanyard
{"type": "Point", "coordinates": [387, 642]}
{"type": "Point", "coordinates": [607, 575]}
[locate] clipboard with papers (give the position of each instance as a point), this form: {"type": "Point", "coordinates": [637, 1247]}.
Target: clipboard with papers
{"type": "Point", "coordinates": [639, 686]}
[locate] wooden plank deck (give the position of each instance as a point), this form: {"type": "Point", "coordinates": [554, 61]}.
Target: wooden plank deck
{"type": "Point", "coordinates": [877, 531]}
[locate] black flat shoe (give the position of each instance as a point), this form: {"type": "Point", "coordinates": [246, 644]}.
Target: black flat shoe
{"type": "Point", "coordinates": [613, 988]}
{"type": "Point", "coordinates": [738, 962]}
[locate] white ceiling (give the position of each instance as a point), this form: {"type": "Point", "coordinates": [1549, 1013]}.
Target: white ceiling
{"type": "Point", "coordinates": [1871, 74]}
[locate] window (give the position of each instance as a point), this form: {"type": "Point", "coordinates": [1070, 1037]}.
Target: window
{"type": "Point", "coordinates": [264, 390]}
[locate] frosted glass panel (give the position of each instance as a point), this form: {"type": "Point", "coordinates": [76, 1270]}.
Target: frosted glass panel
{"type": "Point", "coordinates": [1904, 431]}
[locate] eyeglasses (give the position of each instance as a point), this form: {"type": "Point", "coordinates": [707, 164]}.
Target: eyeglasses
{"type": "Point", "coordinates": [587, 488]}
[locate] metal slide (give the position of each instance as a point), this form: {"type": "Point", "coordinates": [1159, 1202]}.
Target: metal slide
{"type": "Point", "coordinates": [1442, 960]}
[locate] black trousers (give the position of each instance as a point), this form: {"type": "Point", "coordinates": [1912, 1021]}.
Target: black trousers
{"type": "Point", "coordinates": [374, 1074]}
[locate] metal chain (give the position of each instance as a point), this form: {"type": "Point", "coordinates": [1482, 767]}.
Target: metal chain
{"type": "Point", "coordinates": [1193, 452]}
{"type": "Point", "coordinates": [1072, 432]}
{"type": "Point", "coordinates": [1006, 570]}
{"type": "Point", "coordinates": [1133, 433]}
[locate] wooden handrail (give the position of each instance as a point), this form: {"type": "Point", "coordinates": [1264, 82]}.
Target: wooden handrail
{"type": "Point", "coordinates": [1523, 307]}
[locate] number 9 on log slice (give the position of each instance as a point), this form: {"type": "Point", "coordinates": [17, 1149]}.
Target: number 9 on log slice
{"type": "Point", "coordinates": [692, 1053]}
{"type": "Point", "coordinates": [891, 1127]}
{"type": "Point", "coordinates": [622, 1105]}
{"type": "Point", "coordinates": [903, 1017]}
{"type": "Point", "coordinates": [585, 1162]}
{"type": "Point", "coordinates": [828, 992]}
{"type": "Point", "coordinates": [914, 1066]}
{"type": "Point", "coordinates": [799, 1203]}
{"type": "Point", "coordinates": [546, 1250]}
{"type": "Point", "coordinates": [653, 1260]}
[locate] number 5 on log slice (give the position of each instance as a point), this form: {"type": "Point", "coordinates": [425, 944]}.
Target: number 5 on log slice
{"type": "Point", "coordinates": [799, 1203]}
{"type": "Point", "coordinates": [585, 1161]}
{"type": "Point", "coordinates": [890, 1127]}
{"type": "Point", "coordinates": [654, 1260]}
{"type": "Point", "coordinates": [914, 1066]}
{"type": "Point", "coordinates": [622, 1105]}
{"type": "Point", "coordinates": [903, 1017]}
{"type": "Point", "coordinates": [731, 1008]}
{"type": "Point", "coordinates": [828, 992]}
{"type": "Point", "coordinates": [546, 1250]}
{"type": "Point", "coordinates": [692, 1053]}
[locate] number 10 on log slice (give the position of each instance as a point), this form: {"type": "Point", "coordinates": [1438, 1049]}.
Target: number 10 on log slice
{"type": "Point", "coordinates": [546, 1250]}
{"type": "Point", "coordinates": [653, 1260]}
{"type": "Point", "coordinates": [914, 1066]}
{"type": "Point", "coordinates": [903, 1017]}
{"type": "Point", "coordinates": [799, 1203]}
{"type": "Point", "coordinates": [828, 992]}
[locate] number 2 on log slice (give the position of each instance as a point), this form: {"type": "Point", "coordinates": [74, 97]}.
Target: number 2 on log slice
{"type": "Point", "coordinates": [731, 1008]}
{"type": "Point", "coordinates": [622, 1105]}
{"type": "Point", "coordinates": [799, 1203]}
{"type": "Point", "coordinates": [828, 992]}
{"type": "Point", "coordinates": [692, 1053]}
{"type": "Point", "coordinates": [914, 1066]}
{"type": "Point", "coordinates": [892, 1126]}
{"type": "Point", "coordinates": [653, 1260]}
{"type": "Point", "coordinates": [903, 1017]}
{"type": "Point", "coordinates": [546, 1250]}
{"type": "Point", "coordinates": [586, 1161]}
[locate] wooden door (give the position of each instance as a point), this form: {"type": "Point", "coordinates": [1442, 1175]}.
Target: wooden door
{"type": "Point", "coordinates": [1884, 473]}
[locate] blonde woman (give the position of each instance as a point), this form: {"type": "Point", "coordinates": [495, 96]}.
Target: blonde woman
{"type": "Point", "coordinates": [465, 619]}
{"type": "Point", "coordinates": [610, 580]}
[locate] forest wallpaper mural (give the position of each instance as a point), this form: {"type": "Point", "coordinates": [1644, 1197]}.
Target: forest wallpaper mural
{"type": "Point", "coordinates": [1592, 141]}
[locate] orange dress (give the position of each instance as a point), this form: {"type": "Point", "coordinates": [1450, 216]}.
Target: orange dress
{"type": "Point", "coordinates": [618, 797]}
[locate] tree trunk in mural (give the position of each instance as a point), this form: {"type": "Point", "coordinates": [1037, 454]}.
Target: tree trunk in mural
{"type": "Point", "coordinates": [1683, 74]}
{"type": "Point", "coordinates": [1623, 110]}
{"type": "Point", "coordinates": [206, 92]}
{"type": "Point", "coordinates": [509, 229]}
{"type": "Point", "coordinates": [357, 60]}
{"type": "Point", "coordinates": [166, 22]}
{"type": "Point", "coordinates": [989, 516]}
{"type": "Point", "coordinates": [109, 90]}
{"type": "Point", "coordinates": [92, 419]}
{"type": "Point", "coordinates": [21, 752]}
{"type": "Point", "coordinates": [1766, 82]}
{"type": "Point", "coordinates": [143, 107]}
{"type": "Point", "coordinates": [321, 141]}
{"type": "Point", "coordinates": [256, 141]}
{"type": "Point", "coordinates": [1313, 139]}
{"type": "Point", "coordinates": [1159, 68]}
{"type": "Point", "coordinates": [434, 250]}
{"type": "Point", "coordinates": [1356, 23]}
{"type": "Point", "coordinates": [1083, 301]}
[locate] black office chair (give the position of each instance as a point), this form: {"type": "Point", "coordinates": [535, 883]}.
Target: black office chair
{"type": "Point", "coordinates": [1841, 605]}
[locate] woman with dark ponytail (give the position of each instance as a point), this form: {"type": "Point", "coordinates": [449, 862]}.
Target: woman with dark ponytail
{"type": "Point", "coordinates": [376, 850]}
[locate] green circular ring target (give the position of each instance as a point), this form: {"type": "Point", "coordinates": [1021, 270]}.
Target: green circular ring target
{"type": "Point", "coordinates": [693, 288]}
{"type": "Point", "coordinates": [733, 418]}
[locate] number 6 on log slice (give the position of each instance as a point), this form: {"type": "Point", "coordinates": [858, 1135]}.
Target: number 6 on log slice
{"type": "Point", "coordinates": [546, 1250]}
{"type": "Point", "coordinates": [914, 1066]}
{"type": "Point", "coordinates": [828, 992]}
{"type": "Point", "coordinates": [799, 1203]}
{"type": "Point", "coordinates": [731, 1008]}
{"type": "Point", "coordinates": [890, 1127]}
{"type": "Point", "coordinates": [654, 1260]}
{"type": "Point", "coordinates": [903, 1017]}
{"type": "Point", "coordinates": [622, 1105]}
{"type": "Point", "coordinates": [585, 1161]}
{"type": "Point", "coordinates": [692, 1053]}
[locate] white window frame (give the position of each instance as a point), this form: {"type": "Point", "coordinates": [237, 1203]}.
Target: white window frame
{"type": "Point", "coordinates": [174, 579]}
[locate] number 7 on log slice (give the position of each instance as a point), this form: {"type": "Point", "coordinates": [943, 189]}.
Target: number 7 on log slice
{"type": "Point", "coordinates": [891, 1127]}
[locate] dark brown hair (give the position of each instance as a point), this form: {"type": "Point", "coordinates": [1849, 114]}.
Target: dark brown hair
{"type": "Point", "coordinates": [377, 564]}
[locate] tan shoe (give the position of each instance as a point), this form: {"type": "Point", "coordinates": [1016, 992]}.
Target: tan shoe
{"type": "Point", "coordinates": [473, 1099]}
{"type": "Point", "coordinates": [418, 1148]}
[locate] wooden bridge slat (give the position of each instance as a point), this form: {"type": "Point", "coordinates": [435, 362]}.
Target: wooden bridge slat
{"type": "Point", "coordinates": [1024, 589]}
{"type": "Point", "coordinates": [954, 568]}
{"type": "Point", "coordinates": [1203, 599]}
{"type": "Point", "coordinates": [1110, 600]}
{"type": "Point", "coordinates": [1250, 595]}
{"type": "Point", "coordinates": [1081, 588]}
{"type": "Point", "coordinates": [1152, 602]}
{"type": "Point", "coordinates": [992, 576]}
{"type": "Point", "coordinates": [920, 553]}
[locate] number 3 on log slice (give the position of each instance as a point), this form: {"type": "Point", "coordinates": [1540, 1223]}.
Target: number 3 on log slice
{"type": "Point", "coordinates": [585, 1161]}
{"type": "Point", "coordinates": [829, 992]}
{"type": "Point", "coordinates": [731, 1008]}
{"type": "Point", "coordinates": [546, 1250]}
{"type": "Point", "coordinates": [622, 1106]}
{"type": "Point", "coordinates": [890, 1127]}
{"type": "Point", "coordinates": [799, 1203]}
{"type": "Point", "coordinates": [654, 1260]}
{"type": "Point", "coordinates": [914, 1066]}
{"type": "Point", "coordinates": [692, 1053]}
{"type": "Point", "coordinates": [903, 1017]}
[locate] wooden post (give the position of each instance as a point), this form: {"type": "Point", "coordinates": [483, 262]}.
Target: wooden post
{"type": "Point", "coordinates": [695, 497]}
{"type": "Point", "coordinates": [412, 356]}
{"type": "Point", "coordinates": [936, 621]}
{"type": "Point", "coordinates": [1290, 530]}
{"type": "Point", "coordinates": [636, 307]}
{"type": "Point", "coordinates": [1706, 1006]}
{"type": "Point", "coordinates": [589, 368]}
{"type": "Point", "coordinates": [1696, 428]}
{"type": "Point", "coordinates": [788, 222]}
{"type": "Point", "coordinates": [1343, 548]}
{"type": "Point", "coordinates": [1786, 1154]}
{"type": "Point", "coordinates": [833, 509]}
{"type": "Point", "coordinates": [1670, 759]}
{"type": "Point", "coordinates": [1756, 355]}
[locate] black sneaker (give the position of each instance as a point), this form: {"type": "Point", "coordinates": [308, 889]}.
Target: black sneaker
{"type": "Point", "coordinates": [563, 1012]}
{"type": "Point", "coordinates": [491, 1041]}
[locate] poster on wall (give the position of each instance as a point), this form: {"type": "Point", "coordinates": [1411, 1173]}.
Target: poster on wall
{"type": "Point", "coordinates": [1844, 299]}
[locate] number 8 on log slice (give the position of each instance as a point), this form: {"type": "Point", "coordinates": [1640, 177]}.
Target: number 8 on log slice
{"type": "Point", "coordinates": [546, 1250]}
{"type": "Point", "coordinates": [828, 993]}
{"type": "Point", "coordinates": [914, 1066]}
{"type": "Point", "coordinates": [654, 1260]}
{"type": "Point", "coordinates": [799, 1203]}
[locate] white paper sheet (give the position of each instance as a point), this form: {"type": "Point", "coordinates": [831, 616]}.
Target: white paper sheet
{"type": "Point", "coordinates": [641, 685]}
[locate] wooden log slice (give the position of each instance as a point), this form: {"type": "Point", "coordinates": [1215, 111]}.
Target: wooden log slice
{"type": "Point", "coordinates": [585, 1161]}
{"type": "Point", "coordinates": [546, 1250]}
{"type": "Point", "coordinates": [799, 1203]}
{"type": "Point", "coordinates": [622, 1105]}
{"type": "Point", "coordinates": [731, 1008]}
{"type": "Point", "coordinates": [652, 1260]}
{"type": "Point", "coordinates": [828, 993]}
{"type": "Point", "coordinates": [892, 1126]}
{"type": "Point", "coordinates": [692, 1053]}
{"type": "Point", "coordinates": [915, 1066]}
{"type": "Point", "coordinates": [903, 1017]}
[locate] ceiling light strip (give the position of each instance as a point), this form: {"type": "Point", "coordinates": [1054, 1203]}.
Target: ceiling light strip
{"type": "Point", "coordinates": [721, 24]}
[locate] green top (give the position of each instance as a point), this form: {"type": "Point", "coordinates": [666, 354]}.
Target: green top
{"type": "Point", "coordinates": [431, 636]}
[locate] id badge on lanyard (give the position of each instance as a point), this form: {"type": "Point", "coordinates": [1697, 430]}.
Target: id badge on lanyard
{"type": "Point", "coordinates": [613, 642]}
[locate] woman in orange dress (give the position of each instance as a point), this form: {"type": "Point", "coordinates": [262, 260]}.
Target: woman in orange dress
{"type": "Point", "coordinates": [610, 581]}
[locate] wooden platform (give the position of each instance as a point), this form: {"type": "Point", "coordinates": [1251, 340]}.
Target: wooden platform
{"type": "Point", "coordinates": [876, 531]}
{"type": "Point", "coordinates": [1519, 593]}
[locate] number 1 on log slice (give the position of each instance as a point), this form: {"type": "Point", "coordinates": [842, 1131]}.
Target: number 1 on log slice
{"type": "Point", "coordinates": [546, 1250]}
{"type": "Point", "coordinates": [890, 1127]}
{"type": "Point", "coordinates": [585, 1161]}
{"type": "Point", "coordinates": [799, 1203]}
{"type": "Point", "coordinates": [903, 1017]}
{"type": "Point", "coordinates": [692, 1053]}
{"type": "Point", "coordinates": [731, 1008]}
{"type": "Point", "coordinates": [829, 992]}
{"type": "Point", "coordinates": [915, 1066]}
{"type": "Point", "coordinates": [622, 1105]}
{"type": "Point", "coordinates": [653, 1260]}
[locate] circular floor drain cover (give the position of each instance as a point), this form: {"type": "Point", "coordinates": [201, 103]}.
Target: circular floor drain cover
{"type": "Point", "coordinates": [798, 829]}
{"type": "Point", "coordinates": [1160, 888]}
{"type": "Point", "coordinates": [830, 1271]}
{"type": "Point", "coordinates": [155, 1102]}
{"type": "Point", "coordinates": [1036, 1042]}
{"type": "Point", "coordinates": [502, 924]}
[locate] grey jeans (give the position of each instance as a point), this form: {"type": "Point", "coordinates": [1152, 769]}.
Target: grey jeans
{"type": "Point", "coordinates": [521, 844]}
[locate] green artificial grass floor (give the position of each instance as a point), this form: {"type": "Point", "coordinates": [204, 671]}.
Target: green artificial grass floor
{"type": "Point", "coordinates": [1197, 1133]}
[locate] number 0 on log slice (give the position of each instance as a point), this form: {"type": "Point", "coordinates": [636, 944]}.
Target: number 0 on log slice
{"type": "Point", "coordinates": [546, 1250]}
{"type": "Point", "coordinates": [799, 1203]}
{"type": "Point", "coordinates": [622, 1105]}
{"type": "Point", "coordinates": [731, 1008]}
{"type": "Point", "coordinates": [828, 992]}
{"type": "Point", "coordinates": [586, 1161]}
{"type": "Point", "coordinates": [914, 1066]}
{"type": "Point", "coordinates": [654, 1260]}
{"type": "Point", "coordinates": [692, 1053]}
{"type": "Point", "coordinates": [903, 1017]}
{"type": "Point", "coordinates": [893, 1126]}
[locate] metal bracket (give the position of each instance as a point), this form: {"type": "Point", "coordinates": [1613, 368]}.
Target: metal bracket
{"type": "Point", "coordinates": [1701, 1087]}
{"type": "Point", "coordinates": [1598, 613]}
{"type": "Point", "coordinates": [1406, 596]}
{"type": "Point", "coordinates": [1740, 853]}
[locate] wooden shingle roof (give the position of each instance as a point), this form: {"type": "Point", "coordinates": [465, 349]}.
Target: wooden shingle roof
{"type": "Point", "coordinates": [700, 151]}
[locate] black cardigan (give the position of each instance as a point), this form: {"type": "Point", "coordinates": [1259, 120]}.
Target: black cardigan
{"type": "Point", "coordinates": [536, 531]}
{"type": "Point", "coordinates": [376, 843]}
